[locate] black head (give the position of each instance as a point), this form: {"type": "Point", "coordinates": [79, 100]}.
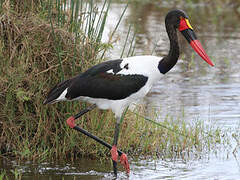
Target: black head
{"type": "Point", "coordinates": [178, 19]}
{"type": "Point", "coordinates": [173, 17]}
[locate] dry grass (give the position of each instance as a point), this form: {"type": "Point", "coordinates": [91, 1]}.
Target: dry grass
{"type": "Point", "coordinates": [34, 56]}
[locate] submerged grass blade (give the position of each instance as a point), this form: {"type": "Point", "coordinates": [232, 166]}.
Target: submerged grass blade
{"type": "Point", "coordinates": [57, 44]}
{"type": "Point", "coordinates": [132, 47]}
{"type": "Point", "coordinates": [97, 29]}
{"type": "Point", "coordinates": [163, 126]}
{"type": "Point", "coordinates": [112, 34]}
{"type": "Point", "coordinates": [100, 32]}
{"type": "Point", "coordinates": [126, 40]}
{"type": "Point", "coordinates": [120, 19]}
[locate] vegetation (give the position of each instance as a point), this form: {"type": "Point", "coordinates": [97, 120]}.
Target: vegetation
{"type": "Point", "coordinates": [44, 42]}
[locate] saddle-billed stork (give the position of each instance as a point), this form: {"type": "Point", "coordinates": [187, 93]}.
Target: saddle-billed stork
{"type": "Point", "coordinates": [114, 84]}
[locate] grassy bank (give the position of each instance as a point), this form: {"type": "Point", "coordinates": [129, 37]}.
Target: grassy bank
{"type": "Point", "coordinates": [44, 42]}
{"type": "Point", "coordinates": [41, 44]}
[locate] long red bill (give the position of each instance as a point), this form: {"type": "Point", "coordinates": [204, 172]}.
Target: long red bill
{"type": "Point", "coordinates": [187, 31]}
{"type": "Point", "coordinates": [196, 45]}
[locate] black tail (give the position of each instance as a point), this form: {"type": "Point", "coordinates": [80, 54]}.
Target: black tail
{"type": "Point", "coordinates": [57, 91]}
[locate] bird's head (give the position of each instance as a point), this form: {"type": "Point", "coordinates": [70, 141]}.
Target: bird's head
{"type": "Point", "coordinates": [180, 21]}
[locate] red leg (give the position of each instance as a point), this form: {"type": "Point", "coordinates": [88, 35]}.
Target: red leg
{"type": "Point", "coordinates": [114, 147]}
{"type": "Point", "coordinates": [114, 151]}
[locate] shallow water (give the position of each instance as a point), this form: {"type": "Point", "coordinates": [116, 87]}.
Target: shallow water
{"type": "Point", "coordinates": [192, 90]}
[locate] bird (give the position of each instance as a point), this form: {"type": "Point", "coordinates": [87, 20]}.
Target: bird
{"type": "Point", "coordinates": [115, 84]}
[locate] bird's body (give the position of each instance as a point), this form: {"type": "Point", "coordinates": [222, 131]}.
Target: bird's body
{"type": "Point", "coordinates": [115, 84]}
{"type": "Point", "coordinates": [112, 84]}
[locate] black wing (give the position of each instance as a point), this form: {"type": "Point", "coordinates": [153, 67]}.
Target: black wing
{"type": "Point", "coordinates": [97, 83]}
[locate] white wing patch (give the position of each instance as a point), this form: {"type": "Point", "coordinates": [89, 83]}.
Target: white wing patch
{"type": "Point", "coordinates": [62, 97]}
{"type": "Point", "coordinates": [110, 71]}
{"type": "Point", "coordinates": [122, 66]}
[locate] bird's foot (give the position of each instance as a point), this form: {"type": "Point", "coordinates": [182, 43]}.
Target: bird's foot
{"type": "Point", "coordinates": [123, 158]}
{"type": "Point", "coordinates": [71, 122]}
{"type": "Point", "coordinates": [124, 162]}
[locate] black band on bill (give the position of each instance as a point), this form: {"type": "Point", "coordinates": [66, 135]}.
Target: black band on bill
{"type": "Point", "coordinates": [189, 35]}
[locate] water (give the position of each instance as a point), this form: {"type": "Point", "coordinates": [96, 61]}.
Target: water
{"type": "Point", "coordinates": [191, 90]}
